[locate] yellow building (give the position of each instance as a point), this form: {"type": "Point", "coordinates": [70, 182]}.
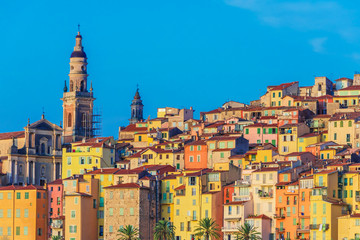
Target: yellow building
{"type": "Point", "coordinates": [153, 156]}
{"type": "Point", "coordinates": [278, 92]}
{"type": "Point", "coordinates": [343, 130]}
{"type": "Point", "coordinates": [306, 140]}
{"type": "Point", "coordinates": [201, 193]}
{"type": "Point", "coordinates": [327, 153]}
{"type": "Point", "coordinates": [81, 205]}
{"type": "Point", "coordinates": [325, 206]}
{"type": "Point", "coordinates": [349, 227]}
{"type": "Point", "coordinates": [168, 184]}
{"type": "Point", "coordinates": [289, 137]}
{"type": "Point", "coordinates": [89, 154]}
{"type": "Point", "coordinates": [23, 212]}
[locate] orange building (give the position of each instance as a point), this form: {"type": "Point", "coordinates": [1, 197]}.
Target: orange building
{"type": "Point", "coordinates": [23, 212]}
{"type": "Point", "coordinates": [196, 154]}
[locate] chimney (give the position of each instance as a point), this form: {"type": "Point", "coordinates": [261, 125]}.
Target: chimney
{"type": "Point", "coordinates": [356, 80]}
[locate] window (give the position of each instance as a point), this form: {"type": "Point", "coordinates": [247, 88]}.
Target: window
{"type": "Point", "coordinates": [191, 148]}
{"type": "Point", "coordinates": [191, 159]}
{"type": "Point", "coordinates": [26, 212]}
{"type": "Point", "coordinates": [18, 195]}
{"type": "Point", "coordinates": [131, 211]}
{"type": "Point", "coordinates": [222, 155]}
{"type": "Point", "coordinates": [40, 231]}
{"type": "Point", "coordinates": [335, 136]}
{"type": "Point", "coordinates": [341, 123]}
{"type": "Point", "coordinates": [73, 214]}
{"type": "Point", "coordinates": [347, 137]}
{"type": "Point", "coordinates": [111, 211]}
{"type": "Point", "coordinates": [246, 131]}
{"type": "Point", "coordinates": [94, 203]}
{"type": "Point", "coordinates": [131, 194]}
{"type": "Point", "coordinates": [17, 231]}
{"type": "Point", "coordinates": [17, 212]}
{"type": "Point", "coordinates": [9, 195]}
{"type": "Point", "coordinates": [349, 123]}
{"type": "Point", "coordinates": [9, 231]}
{"type": "Point", "coordinates": [192, 181]}
{"type": "Point", "coordinates": [26, 231]}
{"type": "Point", "coordinates": [199, 147]}
{"type": "Point", "coordinates": [76, 200]}
{"type": "Point", "coordinates": [193, 191]}
{"type": "Point", "coordinates": [72, 228]}
{"type": "Point", "coordinates": [258, 131]}
{"type": "Point", "coordinates": [121, 211]}
{"type": "Point", "coordinates": [1, 196]}
{"type": "Point", "coordinates": [69, 160]}
{"type": "Point", "coordinates": [9, 213]}
{"type": "Point", "coordinates": [110, 228]}
{"type": "Point", "coordinates": [198, 158]}
{"type": "Point", "coordinates": [101, 204]}
{"type": "Point", "coordinates": [194, 202]}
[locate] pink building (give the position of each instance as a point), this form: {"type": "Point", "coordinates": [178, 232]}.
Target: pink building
{"type": "Point", "coordinates": [55, 198]}
{"type": "Point", "coordinates": [262, 133]}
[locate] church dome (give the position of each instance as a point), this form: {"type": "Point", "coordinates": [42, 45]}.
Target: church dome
{"type": "Point", "coordinates": [78, 54]}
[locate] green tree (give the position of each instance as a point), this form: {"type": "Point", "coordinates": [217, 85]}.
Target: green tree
{"type": "Point", "coordinates": [247, 232]}
{"type": "Point", "coordinates": [128, 232]}
{"type": "Point", "coordinates": [207, 228]}
{"type": "Point", "coordinates": [164, 230]}
{"type": "Point", "coordinates": [55, 238]}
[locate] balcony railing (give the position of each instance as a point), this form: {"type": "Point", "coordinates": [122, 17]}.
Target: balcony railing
{"type": "Point", "coordinates": [280, 230]}
{"type": "Point", "coordinates": [279, 216]}
{"type": "Point", "coordinates": [305, 229]}
{"type": "Point", "coordinates": [324, 227]}
{"type": "Point", "coordinates": [56, 225]}
{"type": "Point", "coordinates": [242, 183]}
{"type": "Point", "coordinates": [265, 194]}
{"type": "Point", "coordinates": [230, 228]}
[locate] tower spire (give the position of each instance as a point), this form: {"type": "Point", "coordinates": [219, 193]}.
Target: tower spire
{"type": "Point", "coordinates": [65, 87]}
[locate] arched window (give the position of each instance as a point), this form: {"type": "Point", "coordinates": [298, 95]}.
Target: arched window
{"type": "Point", "coordinates": [82, 86]}
{"type": "Point", "coordinates": [69, 120]}
{"type": "Point", "coordinates": [71, 86]}
{"type": "Point", "coordinates": [133, 112]}
{"type": "Point", "coordinates": [319, 87]}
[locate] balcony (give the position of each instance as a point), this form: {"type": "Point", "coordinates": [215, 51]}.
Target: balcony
{"type": "Point", "coordinates": [324, 227]}
{"type": "Point", "coordinates": [305, 229]}
{"type": "Point", "coordinates": [242, 183]}
{"type": "Point", "coordinates": [57, 224]}
{"type": "Point", "coordinates": [265, 194]}
{"type": "Point", "coordinates": [279, 216]}
{"type": "Point", "coordinates": [230, 228]}
{"type": "Point", "coordinates": [280, 230]}
{"type": "Point", "coordinates": [241, 198]}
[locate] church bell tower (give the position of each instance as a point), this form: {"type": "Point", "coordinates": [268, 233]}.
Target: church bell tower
{"type": "Point", "coordinates": [78, 102]}
{"type": "Point", "coordinates": [136, 108]}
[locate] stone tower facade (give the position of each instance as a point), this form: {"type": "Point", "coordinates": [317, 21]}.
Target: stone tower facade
{"type": "Point", "coordinates": [136, 108]}
{"type": "Point", "coordinates": [77, 100]}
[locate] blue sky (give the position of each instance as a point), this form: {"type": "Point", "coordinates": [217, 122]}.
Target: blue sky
{"type": "Point", "coordinates": [182, 53]}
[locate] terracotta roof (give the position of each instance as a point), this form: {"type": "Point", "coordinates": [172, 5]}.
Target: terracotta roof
{"type": "Point", "coordinates": [354, 87]}
{"type": "Point", "coordinates": [261, 125]}
{"type": "Point", "coordinates": [181, 187]}
{"type": "Point", "coordinates": [343, 78]}
{"type": "Point", "coordinates": [268, 117]}
{"type": "Point", "coordinates": [223, 138]}
{"type": "Point", "coordinates": [223, 149]}
{"type": "Point", "coordinates": [282, 86]}
{"type": "Point", "coordinates": [325, 172]}
{"type": "Point", "coordinates": [199, 142]}
{"type": "Point", "coordinates": [125, 185]}
{"type": "Point", "coordinates": [345, 116]}
{"type": "Point", "coordinates": [133, 128]}
{"type": "Point", "coordinates": [9, 135]}
{"type": "Point", "coordinates": [58, 181]}
{"type": "Point", "coordinates": [236, 203]}
{"type": "Point", "coordinates": [322, 116]}
{"type": "Point", "coordinates": [17, 187]}
{"type": "Point", "coordinates": [309, 135]}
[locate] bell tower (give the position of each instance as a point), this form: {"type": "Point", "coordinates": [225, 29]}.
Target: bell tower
{"type": "Point", "coordinates": [136, 108]}
{"type": "Point", "coordinates": [77, 100]}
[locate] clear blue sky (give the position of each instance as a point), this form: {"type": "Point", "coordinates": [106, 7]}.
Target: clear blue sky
{"type": "Point", "coordinates": [197, 53]}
